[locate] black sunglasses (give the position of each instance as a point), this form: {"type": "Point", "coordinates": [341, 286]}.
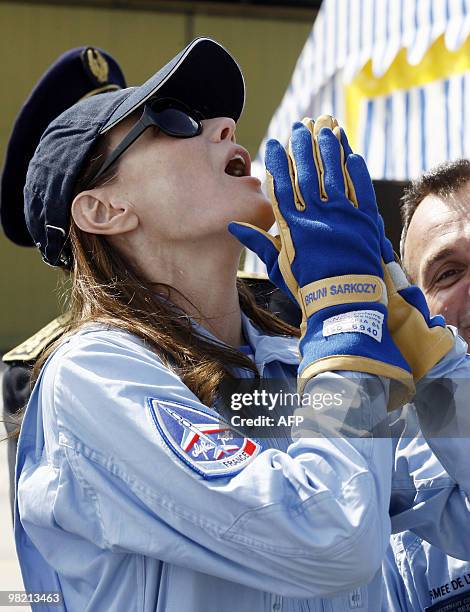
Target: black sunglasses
{"type": "Point", "coordinates": [171, 116]}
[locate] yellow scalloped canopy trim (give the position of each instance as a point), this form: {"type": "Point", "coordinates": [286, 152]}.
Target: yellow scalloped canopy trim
{"type": "Point", "coordinates": [437, 64]}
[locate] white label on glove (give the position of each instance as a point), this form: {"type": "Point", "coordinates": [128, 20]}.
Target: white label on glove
{"type": "Point", "coordinates": [367, 322]}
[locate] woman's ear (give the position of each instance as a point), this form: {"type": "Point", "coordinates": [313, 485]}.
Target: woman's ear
{"type": "Point", "coordinates": [96, 213]}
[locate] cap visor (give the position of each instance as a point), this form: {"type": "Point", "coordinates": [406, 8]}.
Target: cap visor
{"type": "Point", "coordinates": [204, 76]}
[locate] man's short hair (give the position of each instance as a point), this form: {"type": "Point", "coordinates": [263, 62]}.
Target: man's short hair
{"type": "Point", "coordinates": [442, 181]}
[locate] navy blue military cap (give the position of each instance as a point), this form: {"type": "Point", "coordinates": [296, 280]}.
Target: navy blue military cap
{"type": "Point", "coordinates": [204, 76]}
{"type": "Point", "coordinates": [78, 73]}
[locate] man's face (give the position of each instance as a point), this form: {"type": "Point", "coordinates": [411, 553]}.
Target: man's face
{"type": "Point", "coordinates": [437, 256]}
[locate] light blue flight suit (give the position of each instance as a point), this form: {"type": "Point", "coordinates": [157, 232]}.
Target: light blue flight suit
{"type": "Point", "coordinates": [417, 574]}
{"type": "Point", "coordinates": [114, 516]}
{"type": "Point", "coordinates": [420, 576]}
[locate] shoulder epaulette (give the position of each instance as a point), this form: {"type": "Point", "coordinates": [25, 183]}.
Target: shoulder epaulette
{"type": "Point", "coordinates": [30, 349]}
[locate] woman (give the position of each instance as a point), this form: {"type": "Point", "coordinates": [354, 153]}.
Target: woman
{"type": "Point", "coordinates": [132, 493]}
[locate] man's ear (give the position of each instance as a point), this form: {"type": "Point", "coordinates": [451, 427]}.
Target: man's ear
{"type": "Point", "coordinates": [96, 213]}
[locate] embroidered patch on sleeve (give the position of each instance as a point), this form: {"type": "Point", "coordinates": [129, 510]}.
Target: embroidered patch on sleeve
{"type": "Point", "coordinates": [206, 443]}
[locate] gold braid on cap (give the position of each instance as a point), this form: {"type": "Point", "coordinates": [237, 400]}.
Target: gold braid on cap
{"type": "Point", "coordinates": [97, 65]}
{"type": "Point", "coordinates": [99, 90]}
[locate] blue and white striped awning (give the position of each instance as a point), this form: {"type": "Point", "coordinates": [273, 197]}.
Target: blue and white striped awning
{"type": "Point", "coordinates": [407, 132]}
{"type": "Point", "coordinates": [411, 127]}
{"type": "Point", "coordinates": [349, 33]}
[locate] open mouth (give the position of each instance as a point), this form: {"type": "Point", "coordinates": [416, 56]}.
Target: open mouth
{"type": "Point", "coordinates": [239, 164]}
{"type": "Point", "coordinates": [236, 166]}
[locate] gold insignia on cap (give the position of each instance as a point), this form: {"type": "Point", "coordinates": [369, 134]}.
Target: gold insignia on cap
{"type": "Point", "coordinates": [97, 64]}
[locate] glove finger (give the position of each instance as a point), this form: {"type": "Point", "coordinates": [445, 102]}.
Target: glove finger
{"type": "Point", "coordinates": [386, 247]}
{"type": "Point", "coordinates": [280, 181]}
{"type": "Point", "coordinates": [345, 143]}
{"type": "Point", "coordinates": [306, 175]}
{"type": "Point", "coordinates": [350, 191]}
{"type": "Point", "coordinates": [362, 185]}
{"type": "Point", "coordinates": [264, 245]}
{"type": "Point", "coordinates": [349, 187]}
{"type": "Point", "coordinates": [331, 157]}
{"type": "Point", "coordinates": [324, 121]}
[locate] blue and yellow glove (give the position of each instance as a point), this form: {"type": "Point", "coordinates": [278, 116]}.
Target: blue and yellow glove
{"type": "Point", "coordinates": [327, 257]}
{"type": "Point", "coordinates": [423, 340]}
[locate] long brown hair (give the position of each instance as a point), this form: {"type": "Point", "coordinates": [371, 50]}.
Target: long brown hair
{"type": "Point", "coordinates": [106, 288]}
